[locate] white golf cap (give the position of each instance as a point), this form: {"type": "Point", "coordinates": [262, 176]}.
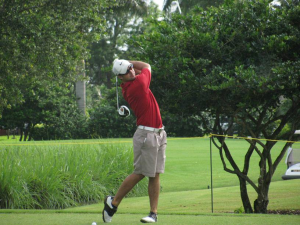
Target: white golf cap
{"type": "Point", "coordinates": [120, 66]}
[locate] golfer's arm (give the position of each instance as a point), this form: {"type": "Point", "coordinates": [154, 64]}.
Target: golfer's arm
{"type": "Point", "coordinates": [138, 66]}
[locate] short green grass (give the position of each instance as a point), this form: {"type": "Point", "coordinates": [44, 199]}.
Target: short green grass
{"type": "Point", "coordinates": [4, 139]}
{"type": "Point", "coordinates": [133, 219]}
{"type": "Point", "coordinates": [188, 164]}
{"type": "Point", "coordinates": [185, 197]}
{"type": "Point", "coordinates": [283, 195]}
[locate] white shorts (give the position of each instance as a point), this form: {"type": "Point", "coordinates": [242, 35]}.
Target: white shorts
{"type": "Point", "coordinates": [149, 152]}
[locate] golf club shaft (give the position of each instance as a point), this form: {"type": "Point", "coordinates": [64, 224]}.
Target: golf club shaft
{"type": "Point", "coordinates": [117, 93]}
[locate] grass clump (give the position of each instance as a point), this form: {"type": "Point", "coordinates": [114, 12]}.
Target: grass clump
{"type": "Point", "coordinates": [60, 176]}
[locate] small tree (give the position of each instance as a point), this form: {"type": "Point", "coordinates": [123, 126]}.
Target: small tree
{"type": "Point", "coordinates": [241, 62]}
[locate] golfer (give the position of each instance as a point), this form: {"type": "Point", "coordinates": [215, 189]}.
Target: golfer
{"type": "Point", "coordinates": [149, 140]}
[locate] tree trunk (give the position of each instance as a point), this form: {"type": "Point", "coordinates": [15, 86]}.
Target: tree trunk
{"type": "Point", "coordinates": [80, 88]}
{"type": "Point", "coordinates": [21, 134]}
{"type": "Point", "coordinates": [108, 81]}
{"type": "Point", "coordinates": [25, 134]}
{"type": "Point", "coordinates": [264, 180]}
{"type": "Point", "coordinates": [8, 133]}
{"type": "Point", "coordinates": [261, 206]}
{"type": "Point", "coordinates": [30, 131]}
{"type": "Point", "coordinates": [262, 201]}
{"type": "Point", "coordinates": [244, 196]}
{"type": "Point", "coordinates": [14, 133]}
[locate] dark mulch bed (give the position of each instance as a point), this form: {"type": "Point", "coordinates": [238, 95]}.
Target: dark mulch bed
{"type": "Point", "coordinates": [285, 212]}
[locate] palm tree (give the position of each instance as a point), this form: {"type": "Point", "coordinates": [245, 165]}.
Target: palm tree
{"type": "Point", "coordinates": [80, 89]}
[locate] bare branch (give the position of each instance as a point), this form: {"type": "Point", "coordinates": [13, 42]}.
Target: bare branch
{"type": "Point", "coordinates": [281, 155]}
{"type": "Point", "coordinates": [216, 144]}
{"type": "Point", "coordinates": [253, 143]}
{"type": "Point", "coordinates": [247, 159]}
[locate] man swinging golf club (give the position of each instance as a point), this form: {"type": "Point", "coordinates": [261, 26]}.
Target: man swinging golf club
{"type": "Point", "coordinates": [149, 140]}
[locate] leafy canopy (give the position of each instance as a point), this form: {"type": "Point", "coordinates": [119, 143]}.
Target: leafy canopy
{"type": "Point", "coordinates": [44, 40]}
{"type": "Point", "coordinates": [227, 60]}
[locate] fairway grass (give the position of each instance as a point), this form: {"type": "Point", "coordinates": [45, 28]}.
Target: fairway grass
{"type": "Point", "coordinates": [283, 195]}
{"type": "Point", "coordinates": [185, 198]}
{"type": "Point", "coordinates": [133, 219]}
{"type": "Point", "coordinates": [175, 208]}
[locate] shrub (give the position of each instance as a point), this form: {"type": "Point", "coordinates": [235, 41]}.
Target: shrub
{"type": "Point", "coordinates": [60, 176]}
{"type": "Point", "coordinates": [105, 122]}
{"type": "Point", "coordinates": [69, 124]}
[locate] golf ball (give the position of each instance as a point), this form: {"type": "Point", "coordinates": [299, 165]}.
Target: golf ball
{"type": "Point", "coordinates": [94, 223]}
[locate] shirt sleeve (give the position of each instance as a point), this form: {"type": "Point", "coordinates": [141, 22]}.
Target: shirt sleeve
{"type": "Point", "coordinates": [145, 78]}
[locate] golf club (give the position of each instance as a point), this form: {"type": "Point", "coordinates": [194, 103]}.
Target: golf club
{"type": "Point", "coordinates": [123, 110]}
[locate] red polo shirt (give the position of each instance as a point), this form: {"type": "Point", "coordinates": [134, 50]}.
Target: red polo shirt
{"type": "Point", "coordinates": [142, 101]}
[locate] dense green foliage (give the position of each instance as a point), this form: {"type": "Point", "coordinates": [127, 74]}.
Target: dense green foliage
{"type": "Point", "coordinates": [37, 96]}
{"type": "Point", "coordinates": [42, 43]}
{"type": "Point", "coordinates": [56, 176]}
{"type": "Point", "coordinates": [43, 40]}
{"type": "Point", "coordinates": [122, 22]}
{"type": "Point", "coordinates": [105, 122]}
{"type": "Point", "coordinates": [49, 111]}
{"type": "Point", "coordinates": [220, 59]}
{"type": "Point", "coordinates": [66, 123]}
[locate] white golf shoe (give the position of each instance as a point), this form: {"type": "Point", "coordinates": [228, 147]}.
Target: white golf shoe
{"type": "Point", "coordinates": [151, 218]}
{"type": "Point", "coordinates": [109, 210]}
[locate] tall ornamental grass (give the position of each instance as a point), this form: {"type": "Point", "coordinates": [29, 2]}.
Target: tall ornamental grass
{"type": "Point", "coordinates": [60, 176]}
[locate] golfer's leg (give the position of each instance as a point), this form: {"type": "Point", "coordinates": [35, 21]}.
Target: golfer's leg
{"type": "Point", "coordinates": [126, 186]}
{"type": "Point", "coordinates": [153, 191]}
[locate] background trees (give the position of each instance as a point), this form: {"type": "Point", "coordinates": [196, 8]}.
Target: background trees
{"type": "Point", "coordinates": [44, 40]}
{"type": "Point", "coordinates": [122, 22]}
{"type": "Point", "coordinates": [42, 43]}
{"type": "Point", "coordinates": [239, 63]}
